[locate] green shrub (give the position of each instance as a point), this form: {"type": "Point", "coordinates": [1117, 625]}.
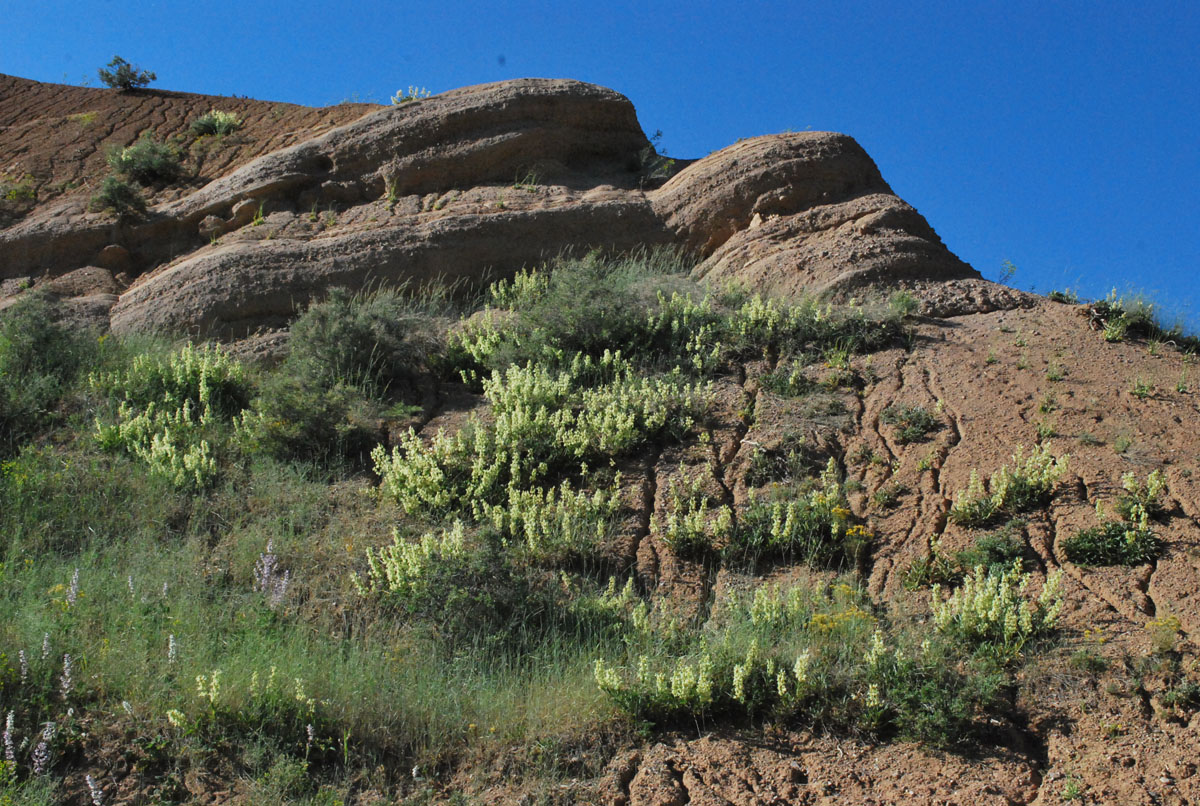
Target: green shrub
{"type": "Point", "coordinates": [119, 197]}
{"type": "Point", "coordinates": [1113, 543]}
{"type": "Point", "coordinates": [544, 425]}
{"type": "Point", "coordinates": [1028, 484]}
{"type": "Point", "coordinates": [913, 423]}
{"type": "Point", "coordinates": [39, 360]}
{"type": "Point", "coordinates": [792, 459]}
{"type": "Point", "coordinates": [372, 342]}
{"type": "Point", "coordinates": [998, 549]}
{"type": "Point", "coordinates": [644, 307]}
{"type": "Point", "coordinates": [167, 408]}
{"type": "Point", "coordinates": [216, 122]}
{"type": "Point", "coordinates": [205, 377]}
{"type": "Point", "coordinates": [1127, 542]}
{"type": "Point", "coordinates": [294, 420]}
{"type": "Point", "coordinates": [147, 161]}
{"type": "Point", "coordinates": [122, 75]}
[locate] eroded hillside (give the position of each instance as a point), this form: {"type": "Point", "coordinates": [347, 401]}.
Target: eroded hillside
{"type": "Point", "coordinates": [650, 525]}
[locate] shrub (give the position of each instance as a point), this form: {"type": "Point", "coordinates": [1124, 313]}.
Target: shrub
{"type": "Point", "coordinates": [166, 408]}
{"type": "Point", "coordinates": [119, 197]}
{"type": "Point", "coordinates": [645, 308]}
{"type": "Point", "coordinates": [465, 583]}
{"type": "Point", "coordinates": [1028, 484]}
{"type": "Point", "coordinates": [216, 122]}
{"type": "Point", "coordinates": [206, 378]}
{"type": "Point", "coordinates": [39, 360]}
{"type": "Point", "coordinates": [122, 75]}
{"type": "Point", "coordinates": [370, 342]}
{"type": "Point", "coordinates": [147, 161]}
{"type": "Point", "coordinates": [294, 420]}
{"type": "Point", "coordinates": [912, 423]}
{"type": "Point", "coordinates": [545, 424]}
{"type": "Point", "coordinates": [1113, 543]}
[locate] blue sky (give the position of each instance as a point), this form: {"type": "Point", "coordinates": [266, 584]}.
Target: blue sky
{"type": "Point", "coordinates": [1060, 136]}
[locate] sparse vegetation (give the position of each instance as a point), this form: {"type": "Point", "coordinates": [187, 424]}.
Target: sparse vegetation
{"type": "Point", "coordinates": [198, 558]}
{"type": "Point", "coordinates": [1134, 316]}
{"type": "Point", "coordinates": [912, 423]}
{"type": "Point", "coordinates": [408, 96]}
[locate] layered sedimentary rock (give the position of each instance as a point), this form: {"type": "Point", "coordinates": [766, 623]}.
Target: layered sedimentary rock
{"type": "Point", "coordinates": [468, 185]}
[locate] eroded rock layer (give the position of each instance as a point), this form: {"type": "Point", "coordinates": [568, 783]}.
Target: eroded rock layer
{"type": "Point", "coordinates": [466, 185]}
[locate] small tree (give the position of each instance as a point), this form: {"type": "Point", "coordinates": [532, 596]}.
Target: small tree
{"type": "Point", "coordinates": [124, 76]}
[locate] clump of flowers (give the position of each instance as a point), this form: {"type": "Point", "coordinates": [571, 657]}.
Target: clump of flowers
{"type": "Point", "coordinates": [1027, 484]}
{"type": "Point", "coordinates": [813, 525]}
{"type": "Point", "coordinates": [268, 579]}
{"type": "Point", "coordinates": [990, 609]}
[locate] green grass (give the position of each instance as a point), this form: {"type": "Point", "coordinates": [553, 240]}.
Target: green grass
{"type": "Point", "coordinates": [154, 498]}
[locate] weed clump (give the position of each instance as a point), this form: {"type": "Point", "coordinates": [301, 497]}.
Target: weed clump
{"type": "Point", "coordinates": [216, 123]}
{"type": "Point", "coordinates": [913, 423]}
{"type": "Point", "coordinates": [1028, 484]}
{"type": "Point", "coordinates": [810, 522]}
{"type": "Point", "coordinates": [989, 609]}
{"type": "Point", "coordinates": [808, 654]}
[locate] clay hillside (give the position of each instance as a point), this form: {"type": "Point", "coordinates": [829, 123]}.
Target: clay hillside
{"type": "Point", "coordinates": [467, 450]}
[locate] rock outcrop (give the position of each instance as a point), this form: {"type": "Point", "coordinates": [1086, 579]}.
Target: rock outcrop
{"type": "Point", "coordinates": [471, 184]}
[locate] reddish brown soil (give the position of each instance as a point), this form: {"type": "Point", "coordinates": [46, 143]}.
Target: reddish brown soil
{"type": "Point", "coordinates": [58, 134]}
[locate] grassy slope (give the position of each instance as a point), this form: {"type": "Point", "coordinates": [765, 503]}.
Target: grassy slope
{"type": "Point", "coordinates": [492, 589]}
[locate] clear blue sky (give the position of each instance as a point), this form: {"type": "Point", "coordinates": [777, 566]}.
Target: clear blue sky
{"type": "Point", "coordinates": [1061, 136]}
